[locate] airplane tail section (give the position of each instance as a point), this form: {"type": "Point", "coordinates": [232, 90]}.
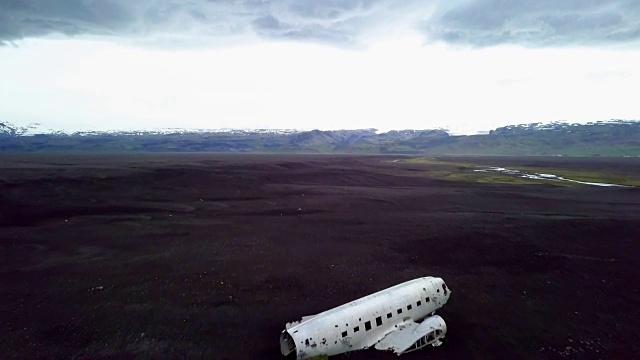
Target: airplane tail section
{"type": "Point", "coordinates": [287, 344]}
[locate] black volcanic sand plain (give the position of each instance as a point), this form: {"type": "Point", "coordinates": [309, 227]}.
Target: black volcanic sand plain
{"type": "Point", "coordinates": [208, 256]}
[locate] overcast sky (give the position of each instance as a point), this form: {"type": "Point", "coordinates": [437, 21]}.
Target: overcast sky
{"type": "Point", "coordinates": [465, 65]}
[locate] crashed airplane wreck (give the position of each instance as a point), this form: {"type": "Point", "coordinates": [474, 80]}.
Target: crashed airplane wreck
{"type": "Point", "coordinates": [399, 319]}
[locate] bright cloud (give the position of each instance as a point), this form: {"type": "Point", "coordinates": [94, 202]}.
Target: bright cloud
{"type": "Point", "coordinates": [464, 65]}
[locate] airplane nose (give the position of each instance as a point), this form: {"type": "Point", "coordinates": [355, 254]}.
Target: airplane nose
{"type": "Point", "coordinates": [446, 291]}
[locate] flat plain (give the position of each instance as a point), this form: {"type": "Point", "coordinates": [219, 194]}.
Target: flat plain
{"type": "Point", "coordinates": [209, 255]}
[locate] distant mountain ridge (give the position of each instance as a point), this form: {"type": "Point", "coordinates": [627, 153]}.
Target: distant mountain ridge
{"type": "Point", "coordinates": [602, 138]}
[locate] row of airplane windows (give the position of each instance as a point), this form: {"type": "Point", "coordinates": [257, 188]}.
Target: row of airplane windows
{"type": "Point", "coordinates": [367, 325]}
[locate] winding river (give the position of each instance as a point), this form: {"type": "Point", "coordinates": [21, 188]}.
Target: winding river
{"type": "Point", "coordinates": [537, 176]}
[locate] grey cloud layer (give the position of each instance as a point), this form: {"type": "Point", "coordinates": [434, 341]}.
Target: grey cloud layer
{"type": "Point", "coordinates": [472, 22]}
{"type": "Point", "coordinates": [331, 21]}
{"type": "Point", "coordinates": [537, 22]}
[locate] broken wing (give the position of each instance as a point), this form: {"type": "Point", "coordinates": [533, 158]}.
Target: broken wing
{"type": "Point", "coordinates": [409, 335]}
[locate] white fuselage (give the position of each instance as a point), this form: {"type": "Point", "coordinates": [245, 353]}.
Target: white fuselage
{"type": "Point", "coordinates": [362, 323]}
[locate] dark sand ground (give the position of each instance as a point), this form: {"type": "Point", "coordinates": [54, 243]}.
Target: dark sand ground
{"type": "Point", "coordinates": [208, 256]}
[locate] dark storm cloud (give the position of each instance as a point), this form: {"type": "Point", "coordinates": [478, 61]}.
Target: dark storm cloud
{"type": "Point", "coordinates": [471, 22]}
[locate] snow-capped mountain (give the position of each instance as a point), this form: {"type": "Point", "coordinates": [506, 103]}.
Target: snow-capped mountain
{"type": "Point", "coordinates": [602, 138]}
{"type": "Point", "coordinates": [38, 129]}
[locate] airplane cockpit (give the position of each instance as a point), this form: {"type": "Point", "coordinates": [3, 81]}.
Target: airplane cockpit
{"type": "Point", "coordinates": [442, 291]}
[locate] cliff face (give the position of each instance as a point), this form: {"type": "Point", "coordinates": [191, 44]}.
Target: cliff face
{"type": "Point", "coordinates": [604, 138]}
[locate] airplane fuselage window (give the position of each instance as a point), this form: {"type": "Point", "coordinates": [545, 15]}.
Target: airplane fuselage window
{"type": "Point", "coordinates": [349, 338]}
